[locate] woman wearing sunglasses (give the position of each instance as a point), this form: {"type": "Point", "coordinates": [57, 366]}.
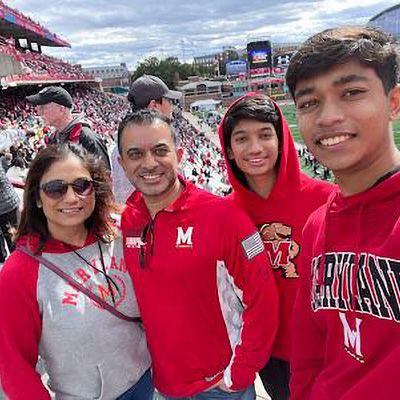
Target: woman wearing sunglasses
{"type": "Point", "coordinates": [79, 320]}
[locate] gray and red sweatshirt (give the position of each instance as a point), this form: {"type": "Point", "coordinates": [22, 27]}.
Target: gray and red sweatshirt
{"type": "Point", "coordinates": [88, 352]}
{"type": "Point", "coordinates": [205, 291]}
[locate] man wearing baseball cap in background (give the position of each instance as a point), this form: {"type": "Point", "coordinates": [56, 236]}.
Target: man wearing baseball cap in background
{"type": "Point", "coordinates": [150, 92]}
{"type": "Point", "coordinates": [55, 108]}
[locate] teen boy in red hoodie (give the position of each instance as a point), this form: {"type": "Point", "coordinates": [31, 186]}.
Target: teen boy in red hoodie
{"type": "Point", "coordinates": [347, 313]}
{"type": "Point", "coordinates": [267, 183]}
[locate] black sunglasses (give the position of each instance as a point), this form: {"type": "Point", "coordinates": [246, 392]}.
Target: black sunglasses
{"type": "Point", "coordinates": [58, 188]}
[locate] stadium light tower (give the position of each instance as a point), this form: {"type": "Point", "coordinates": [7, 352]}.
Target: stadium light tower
{"type": "Point", "coordinates": [183, 51]}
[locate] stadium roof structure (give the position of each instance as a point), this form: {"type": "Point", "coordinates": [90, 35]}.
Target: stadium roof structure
{"type": "Point", "coordinates": [388, 10]}
{"type": "Point", "coordinates": [15, 24]}
{"type": "Point", "coordinates": [388, 20]}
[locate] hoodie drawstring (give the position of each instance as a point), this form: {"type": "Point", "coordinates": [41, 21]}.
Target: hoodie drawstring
{"type": "Point", "coordinates": [320, 280]}
{"type": "Point", "coordinates": [356, 265]}
{"type": "Point", "coordinates": [325, 239]}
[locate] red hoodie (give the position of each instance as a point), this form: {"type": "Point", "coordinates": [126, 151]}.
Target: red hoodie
{"type": "Point", "coordinates": [280, 219]}
{"type": "Point", "coordinates": [348, 347]}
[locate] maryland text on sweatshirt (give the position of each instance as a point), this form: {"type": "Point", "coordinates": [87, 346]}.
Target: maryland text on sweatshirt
{"type": "Point", "coordinates": [88, 352]}
{"type": "Point", "coordinates": [347, 314]}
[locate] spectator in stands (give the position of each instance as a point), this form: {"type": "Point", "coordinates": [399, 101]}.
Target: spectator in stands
{"type": "Point", "coordinates": [9, 212]}
{"type": "Point", "coordinates": [102, 110]}
{"type": "Point", "coordinates": [150, 91]}
{"type": "Point", "coordinates": [89, 351]}
{"type": "Point", "coordinates": [55, 105]}
{"type": "Point", "coordinates": [264, 171]}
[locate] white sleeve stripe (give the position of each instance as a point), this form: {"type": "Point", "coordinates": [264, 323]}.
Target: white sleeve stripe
{"type": "Point", "coordinates": [228, 371]}
{"type": "Point", "coordinates": [231, 302]}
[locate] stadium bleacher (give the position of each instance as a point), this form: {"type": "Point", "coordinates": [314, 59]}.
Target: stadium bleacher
{"type": "Point", "coordinates": [31, 65]}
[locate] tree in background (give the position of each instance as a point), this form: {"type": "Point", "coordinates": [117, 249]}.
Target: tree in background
{"type": "Point", "coordinates": [170, 70]}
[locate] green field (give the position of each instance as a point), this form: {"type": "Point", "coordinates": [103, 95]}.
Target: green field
{"type": "Point", "coordinates": [290, 115]}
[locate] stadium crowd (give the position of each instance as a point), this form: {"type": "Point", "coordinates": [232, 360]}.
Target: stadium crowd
{"type": "Point", "coordinates": [7, 47]}
{"type": "Point", "coordinates": [101, 109]}
{"type": "Point", "coordinates": [203, 162]}
{"type": "Point", "coordinates": [37, 66]}
{"type": "Point", "coordinates": [42, 64]}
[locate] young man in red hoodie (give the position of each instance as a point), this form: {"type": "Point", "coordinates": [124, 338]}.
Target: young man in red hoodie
{"type": "Point", "coordinates": [267, 183]}
{"type": "Point", "coordinates": [347, 313]}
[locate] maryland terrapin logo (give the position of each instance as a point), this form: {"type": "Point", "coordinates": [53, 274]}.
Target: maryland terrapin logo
{"type": "Point", "coordinates": [280, 247]}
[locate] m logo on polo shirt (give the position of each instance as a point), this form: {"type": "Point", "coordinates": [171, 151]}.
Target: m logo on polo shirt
{"type": "Point", "coordinates": [184, 239]}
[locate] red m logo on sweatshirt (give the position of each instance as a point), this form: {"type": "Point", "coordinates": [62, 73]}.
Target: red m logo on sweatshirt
{"type": "Point", "coordinates": [281, 248]}
{"type": "Point", "coordinates": [278, 252]}
{"type": "Point", "coordinates": [352, 337]}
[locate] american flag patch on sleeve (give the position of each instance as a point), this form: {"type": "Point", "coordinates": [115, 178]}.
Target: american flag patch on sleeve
{"type": "Point", "coordinates": [253, 245]}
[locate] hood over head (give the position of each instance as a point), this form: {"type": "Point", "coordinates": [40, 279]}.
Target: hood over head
{"type": "Point", "coordinates": [288, 178]}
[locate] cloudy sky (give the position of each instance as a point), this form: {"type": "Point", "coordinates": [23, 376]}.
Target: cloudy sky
{"type": "Point", "coordinates": [107, 32]}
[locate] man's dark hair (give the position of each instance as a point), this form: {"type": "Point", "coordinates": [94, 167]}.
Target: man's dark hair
{"type": "Point", "coordinates": [369, 46]}
{"type": "Point", "coordinates": [257, 107]}
{"type": "Point", "coordinates": [145, 117]}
